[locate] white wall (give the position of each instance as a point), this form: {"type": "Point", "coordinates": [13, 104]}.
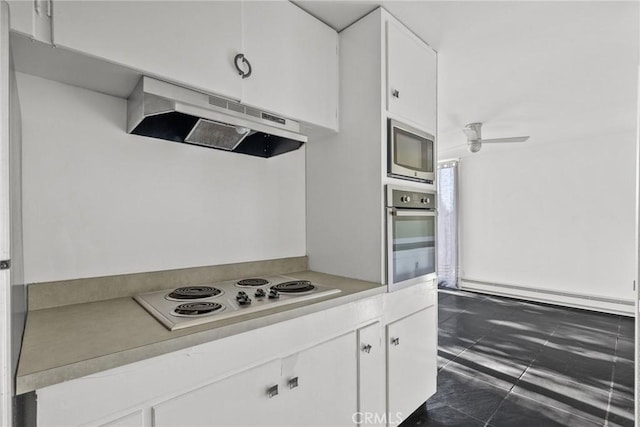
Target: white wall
{"type": "Point", "coordinates": [551, 216]}
{"type": "Point", "coordinates": [98, 201]}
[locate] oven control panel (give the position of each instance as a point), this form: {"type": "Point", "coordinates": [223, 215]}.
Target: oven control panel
{"type": "Point", "coordinates": [409, 198]}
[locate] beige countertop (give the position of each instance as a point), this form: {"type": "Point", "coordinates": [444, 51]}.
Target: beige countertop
{"type": "Point", "coordinates": [70, 341]}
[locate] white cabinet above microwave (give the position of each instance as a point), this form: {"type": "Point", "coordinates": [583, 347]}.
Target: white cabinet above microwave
{"type": "Point", "coordinates": [411, 77]}
{"type": "Point", "coordinates": [293, 56]}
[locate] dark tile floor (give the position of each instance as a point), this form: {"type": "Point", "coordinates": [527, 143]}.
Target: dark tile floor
{"type": "Point", "coordinates": [504, 362]}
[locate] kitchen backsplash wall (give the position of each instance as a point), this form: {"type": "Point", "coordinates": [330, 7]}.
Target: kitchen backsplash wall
{"type": "Point", "coordinates": [100, 202]}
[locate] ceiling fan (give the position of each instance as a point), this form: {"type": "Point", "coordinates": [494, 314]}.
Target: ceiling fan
{"type": "Point", "coordinates": [475, 141]}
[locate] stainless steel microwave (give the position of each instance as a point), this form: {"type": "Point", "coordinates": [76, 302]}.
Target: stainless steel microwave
{"type": "Point", "coordinates": [411, 153]}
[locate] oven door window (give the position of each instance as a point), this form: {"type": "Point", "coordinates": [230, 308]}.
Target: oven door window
{"type": "Point", "coordinates": [414, 253]}
{"type": "Point", "coordinates": [412, 151]}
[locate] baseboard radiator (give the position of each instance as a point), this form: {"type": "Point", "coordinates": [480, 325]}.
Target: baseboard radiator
{"type": "Point", "coordinates": [588, 302]}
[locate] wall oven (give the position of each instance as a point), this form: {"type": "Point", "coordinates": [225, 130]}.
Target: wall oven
{"type": "Point", "coordinates": [411, 153]}
{"type": "Point", "coordinates": [411, 236]}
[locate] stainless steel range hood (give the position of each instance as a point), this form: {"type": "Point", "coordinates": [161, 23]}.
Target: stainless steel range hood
{"type": "Point", "coordinates": [165, 111]}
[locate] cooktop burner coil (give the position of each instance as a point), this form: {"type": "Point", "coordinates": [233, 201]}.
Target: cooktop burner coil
{"type": "Point", "coordinates": [294, 287]}
{"type": "Point", "coordinates": [193, 292]}
{"type": "Point", "coordinates": [197, 308]}
{"type": "Point", "coordinates": [253, 282]}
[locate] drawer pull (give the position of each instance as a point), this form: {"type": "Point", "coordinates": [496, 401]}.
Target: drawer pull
{"type": "Point", "coordinates": [293, 382]}
{"type": "Point", "coordinates": [272, 391]}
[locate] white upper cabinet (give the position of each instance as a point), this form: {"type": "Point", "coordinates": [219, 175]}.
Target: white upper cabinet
{"type": "Point", "coordinates": [294, 60]}
{"type": "Point", "coordinates": [293, 56]}
{"type": "Point", "coordinates": [411, 77]}
{"type": "Point", "coordinates": [189, 42]}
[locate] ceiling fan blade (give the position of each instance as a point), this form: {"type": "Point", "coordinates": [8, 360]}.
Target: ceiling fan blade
{"type": "Point", "coordinates": [455, 147]}
{"type": "Point", "coordinates": [512, 139]}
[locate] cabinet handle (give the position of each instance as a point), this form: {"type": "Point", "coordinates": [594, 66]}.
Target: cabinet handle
{"type": "Point", "coordinates": [367, 348]}
{"type": "Point", "coordinates": [293, 382]}
{"type": "Point", "coordinates": [395, 341]}
{"type": "Point", "coordinates": [36, 6]}
{"type": "Point", "coordinates": [272, 391]}
{"type": "Point", "coordinates": [240, 57]}
{"type": "Point", "coordinates": [395, 93]}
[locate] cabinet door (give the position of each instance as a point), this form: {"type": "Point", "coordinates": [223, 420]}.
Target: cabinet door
{"type": "Point", "coordinates": [411, 362]}
{"type": "Point", "coordinates": [22, 15]}
{"type": "Point", "coordinates": [189, 42]}
{"type": "Point", "coordinates": [411, 77]}
{"type": "Point", "coordinates": [325, 393]}
{"type": "Point", "coordinates": [294, 61]}
{"type": "Point", "coordinates": [371, 387]}
{"type": "Point", "coordinates": [240, 400]}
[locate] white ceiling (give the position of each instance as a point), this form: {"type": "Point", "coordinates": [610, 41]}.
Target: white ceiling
{"type": "Point", "coordinates": [558, 71]}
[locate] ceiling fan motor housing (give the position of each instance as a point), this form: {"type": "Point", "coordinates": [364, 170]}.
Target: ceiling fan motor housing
{"type": "Point", "coordinates": [476, 128]}
{"type": "Point", "coordinates": [475, 146]}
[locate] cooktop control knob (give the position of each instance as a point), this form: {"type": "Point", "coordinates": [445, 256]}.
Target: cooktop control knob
{"type": "Point", "coordinates": [273, 294]}
{"type": "Point", "coordinates": [242, 298]}
{"type": "Point", "coordinates": [260, 293]}
{"type": "Point", "coordinates": [425, 200]}
{"type": "Point", "coordinates": [405, 199]}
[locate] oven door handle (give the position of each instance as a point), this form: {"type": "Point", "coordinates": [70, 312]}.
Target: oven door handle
{"type": "Point", "coordinates": [412, 212]}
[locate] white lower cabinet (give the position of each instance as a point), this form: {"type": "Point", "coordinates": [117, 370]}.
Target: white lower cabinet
{"type": "Point", "coordinates": [238, 400]}
{"type": "Point", "coordinates": [371, 396]}
{"type": "Point", "coordinates": [328, 369]}
{"type": "Point", "coordinates": [326, 380]}
{"type": "Point", "coordinates": [411, 362]}
{"type": "Point", "coordinates": [316, 386]}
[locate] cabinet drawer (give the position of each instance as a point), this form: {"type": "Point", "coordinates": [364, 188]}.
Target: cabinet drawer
{"type": "Point", "coordinates": [400, 303]}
